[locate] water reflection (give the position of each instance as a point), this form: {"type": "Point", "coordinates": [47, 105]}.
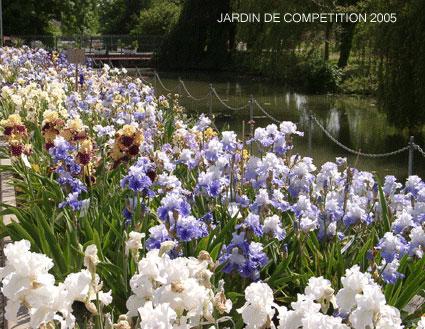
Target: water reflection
{"type": "Point", "coordinates": [354, 121]}
{"type": "Point", "coordinates": [332, 124]}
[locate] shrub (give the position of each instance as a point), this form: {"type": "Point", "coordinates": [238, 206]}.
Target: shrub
{"type": "Point", "coordinates": [158, 19]}
{"type": "Point", "coordinates": [319, 75]}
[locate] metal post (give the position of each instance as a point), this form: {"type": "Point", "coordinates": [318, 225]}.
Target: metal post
{"type": "Point", "coordinates": [251, 113]}
{"type": "Point", "coordinates": [76, 77]}
{"type": "Point", "coordinates": [251, 117]}
{"type": "Point", "coordinates": [154, 80]}
{"type": "Point", "coordinates": [210, 100]}
{"type": "Point", "coordinates": [310, 133]}
{"type": "Point", "coordinates": [411, 153]}
{"type": "Point", "coordinates": [243, 133]}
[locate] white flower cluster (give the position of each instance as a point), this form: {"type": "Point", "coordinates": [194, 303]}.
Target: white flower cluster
{"type": "Point", "coordinates": [31, 97]}
{"type": "Point", "coordinates": [174, 293]}
{"type": "Point", "coordinates": [365, 303]}
{"type": "Point", "coordinates": [134, 242]}
{"type": "Point", "coordinates": [360, 303]}
{"type": "Point", "coordinates": [27, 282]}
{"type": "Point", "coordinates": [259, 307]}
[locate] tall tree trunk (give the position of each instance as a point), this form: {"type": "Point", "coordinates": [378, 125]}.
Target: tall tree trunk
{"type": "Point", "coordinates": [132, 10]}
{"type": "Point", "coordinates": [218, 35]}
{"type": "Point", "coordinates": [346, 34]}
{"type": "Point", "coordinates": [198, 40]}
{"type": "Point", "coordinates": [185, 45]}
{"type": "Point", "coordinates": [232, 37]}
{"type": "Point", "coordinates": [328, 31]}
{"type": "Point", "coordinates": [346, 43]}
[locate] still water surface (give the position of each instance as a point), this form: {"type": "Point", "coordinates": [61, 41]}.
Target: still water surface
{"type": "Point", "coordinates": [355, 121]}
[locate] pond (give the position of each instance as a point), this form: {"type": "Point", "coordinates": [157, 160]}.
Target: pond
{"type": "Point", "coordinates": [354, 121]}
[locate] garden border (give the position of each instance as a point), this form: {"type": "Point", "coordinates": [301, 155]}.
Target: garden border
{"type": "Point", "coordinates": [7, 195]}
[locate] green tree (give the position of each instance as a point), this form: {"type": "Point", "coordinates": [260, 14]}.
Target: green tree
{"type": "Point", "coordinates": [158, 19]}
{"type": "Point", "coordinates": [401, 50]}
{"type": "Point", "coordinates": [29, 17]}
{"type": "Point", "coordinates": [198, 40]}
{"type": "Point", "coordinates": [120, 16]}
{"type": "Point", "coordinates": [80, 16]}
{"type": "Point", "coordinates": [347, 30]}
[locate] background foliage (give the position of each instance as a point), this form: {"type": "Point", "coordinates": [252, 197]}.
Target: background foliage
{"type": "Point", "coordinates": [386, 60]}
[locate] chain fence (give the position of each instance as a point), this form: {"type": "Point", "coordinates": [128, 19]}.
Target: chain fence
{"type": "Point", "coordinates": [235, 109]}
{"type": "Point", "coordinates": [157, 77]}
{"type": "Point", "coordinates": [411, 147]}
{"type": "Point", "coordinates": [368, 155]}
{"type": "Point", "coordinates": [198, 99]}
{"type": "Point", "coordinates": [419, 149]}
{"type": "Point", "coordinates": [267, 114]}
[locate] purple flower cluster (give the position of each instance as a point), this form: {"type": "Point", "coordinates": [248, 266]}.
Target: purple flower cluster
{"type": "Point", "coordinates": [174, 210]}
{"type": "Point", "coordinates": [157, 235]}
{"type": "Point", "coordinates": [139, 178]}
{"type": "Point", "coordinates": [407, 236]}
{"type": "Point", "coordinates": [243, 257]}
{"type": "Point", "coordinates": [67, 169]}
{"type": "Point", "coordinates": [189, 228]}
{"type": "Point", "coordinates": [265, 193]}
{"type": "Point", "coordinates": [175, 213]}
{"type": "Point", "coordinates": [62, 153]}
{"type": "Point", "coordinates": [276, 139]}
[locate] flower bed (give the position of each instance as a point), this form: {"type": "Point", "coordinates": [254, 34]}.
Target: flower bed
{"type": "Point", "coordinates": [133, 214]}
